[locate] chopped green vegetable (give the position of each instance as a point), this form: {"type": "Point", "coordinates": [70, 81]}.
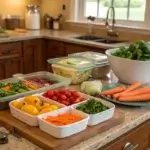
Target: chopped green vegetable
{"type": "Point", "coordinates": [2, 85]}
{"type": "Point", "coordinates": [136, 51]}
{"type": "Point", "coordinates": [92, 107]}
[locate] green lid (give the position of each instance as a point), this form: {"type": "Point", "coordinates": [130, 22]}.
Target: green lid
{"type": "Point", "coordinates": [74, 62]}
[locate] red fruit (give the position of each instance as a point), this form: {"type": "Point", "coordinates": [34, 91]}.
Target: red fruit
{"type": "Point", "coordinates": [65, 103]}
{"type": "Point", "coordinates": [45, 95]}
{"type": "Point", "coordinates": [54, 98]}
{"type": "Point", "coordinates": [67, 93]}
{"type": "Point", "coordinates": [50, 93]}
{"type": "Point", "coordinates": [63, 97]}
{"type": "Point", "coordinates": [75, 93]}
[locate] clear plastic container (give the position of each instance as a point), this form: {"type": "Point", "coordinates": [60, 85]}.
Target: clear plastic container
{"type": "Point", "coordinates": [63, 131]}
{"type": "Point", "coordinates": [59, 81]}
{"type": "Point", "coordinates": [78, 69]}
{"type": "Point", "coordinates": [95, 119]}
{"type": "Point", "coordinates": [100, 60]}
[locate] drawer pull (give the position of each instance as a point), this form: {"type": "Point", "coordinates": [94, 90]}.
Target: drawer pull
{"type": "Point", "coordinates": [6, 52]}
{"type": "Point", "coordinates": [129, 146]}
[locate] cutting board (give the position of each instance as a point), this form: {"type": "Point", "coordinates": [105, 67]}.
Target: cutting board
{"type": "Point", "coordinates": [48, 142]}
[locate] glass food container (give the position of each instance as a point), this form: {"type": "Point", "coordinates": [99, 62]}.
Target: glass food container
{"type": "Point", "coordinates": [77, 69]}
{"type": "Point", "coordinates": [100, 60]}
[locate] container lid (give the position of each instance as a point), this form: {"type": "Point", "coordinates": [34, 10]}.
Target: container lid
{"type": "Point", "coordinates": [97, 58]}
{"type": "Point", "coordinates": [74, 62]}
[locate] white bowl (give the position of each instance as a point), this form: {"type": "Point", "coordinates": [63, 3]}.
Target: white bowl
{"type": "Point", "coordinates": [27, 118]}
{"type": "Point", "coordinates": [95, 119]}
{"type": "Point", "coordinates": [129, 71]}
{"type": "Point", "coordinates": [63, 131]}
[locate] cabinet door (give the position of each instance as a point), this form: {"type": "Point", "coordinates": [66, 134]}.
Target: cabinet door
{"type": "Point", "coordinates": [138, 139]}
{"type": "Point", "coordinates": [34, 53]}
{"type": "Point", "coordinates": [40, 55]}
{"type": "Point", "coordinates": [55, 49]}
{"type": "Point", "coordinates": [72, 48]}
{"type": "Point", "coordinates": [3, 69]}
{"type": "Point", "coordinates": [14, 66]}
{"type": "Point", "coordinates": [28, 57]}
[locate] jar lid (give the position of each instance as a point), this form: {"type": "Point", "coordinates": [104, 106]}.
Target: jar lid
{"type": "Point", "coordinates": [74, 62]}
{"type": "Point", "coordinates": [97, 58]}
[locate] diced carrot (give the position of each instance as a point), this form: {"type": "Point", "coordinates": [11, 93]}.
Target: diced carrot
{"type": "Point", "coordinates": [136, 98]}
{"type": "Point", "coordinates": [114, 90]}
{"type": "Point", "coordinates": [63, 119]}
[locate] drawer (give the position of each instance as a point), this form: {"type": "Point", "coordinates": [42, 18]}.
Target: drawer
{"type": "Point", "coordinates": [138, 139]}
{"type": "Point", "coordinates": [10, 50]}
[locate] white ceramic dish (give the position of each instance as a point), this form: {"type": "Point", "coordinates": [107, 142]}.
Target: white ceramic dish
{"type": "Point", "coordinates": [63, 131]}
{"type": "Point", "coordinates": [129, 71]}
{"type": "Point", "coordinates": [27, 118]}
{"type": "Point", "coordinates": [95, 119]}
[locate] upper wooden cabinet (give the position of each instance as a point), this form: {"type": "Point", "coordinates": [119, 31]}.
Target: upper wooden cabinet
{"type": "Point", "coordinates": [34, 54]}
{"type": "Point", "coordinates": [55, 49]}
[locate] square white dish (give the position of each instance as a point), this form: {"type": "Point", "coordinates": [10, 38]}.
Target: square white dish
{"type": "Point", "coordinates": [27, 118]}
{"type": "Point", "coordinates": [95, 119]}
{"type": "Point", "coordinates": [63, 131]}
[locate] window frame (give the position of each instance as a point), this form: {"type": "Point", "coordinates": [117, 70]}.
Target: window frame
{"type": "Point", "coordinates": [80, 7]}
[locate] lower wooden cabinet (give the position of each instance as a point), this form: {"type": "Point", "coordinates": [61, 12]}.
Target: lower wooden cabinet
{"type": "Point", "coordinates": [137, 139]}
{"type": "Point", "coordinates": [10, 66]}
{"type": "Point", "coordinates": [14, 66]}
{"type": "Point", "coordinates": [34, 54]}
{"type": "Point", "coordinates": [3, 69]}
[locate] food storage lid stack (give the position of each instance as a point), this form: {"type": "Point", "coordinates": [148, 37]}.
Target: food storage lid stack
{"type": "Point", "coordinates": [74, 62]}
{"type": "Point", "coordinates": [99, 59]}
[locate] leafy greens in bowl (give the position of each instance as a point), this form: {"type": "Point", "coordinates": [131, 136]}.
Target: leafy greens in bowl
{"type": "Point", "coordinates": [136, 51]}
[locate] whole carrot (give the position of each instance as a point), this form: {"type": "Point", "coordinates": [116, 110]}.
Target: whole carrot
{"type": "Point", "coordinates": [128, 89]}
{"type": "Point", "coordinates": [139, 91]}
{"type": "Point", "coordinates": [136, 98]}
{"type": "Point", "coordinates": [114, 90]}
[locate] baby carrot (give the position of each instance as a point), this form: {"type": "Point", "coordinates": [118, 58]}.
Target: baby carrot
{"type": "Point", "coordinates": [114, 90]}
{"type": "Point", "coordinates": [136, 98]}
{"type": "Point", "coordinates": [128, 89]}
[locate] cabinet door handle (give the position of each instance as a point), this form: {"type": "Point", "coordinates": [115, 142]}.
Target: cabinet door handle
{"type": "Point", "coordinates": [6, 52]}
{"type": "Point", "coordinates": [129, 146]}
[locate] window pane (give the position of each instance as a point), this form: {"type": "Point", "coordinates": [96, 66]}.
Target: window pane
{"type": "Point", "coordinates": [137, 10]}
{"type": "Point", "coordinates": [121, 9]}
{"type": "Point", "coordinates": [103, 7]}
{"type": "Point", "coordinates": [91, 8]}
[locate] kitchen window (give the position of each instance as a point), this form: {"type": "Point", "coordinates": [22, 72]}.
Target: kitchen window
{"type": "Point", "coordinates": [127, 11]}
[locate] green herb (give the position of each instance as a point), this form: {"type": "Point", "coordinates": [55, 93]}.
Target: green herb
{"type": "Point", "coordinates": [92, 107]}
{"type": "Point", "coordinates": [137, 51]}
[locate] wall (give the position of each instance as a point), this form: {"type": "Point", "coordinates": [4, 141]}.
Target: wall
{"type": "Point", "coordinates": [16, 7]}
{"type": "Point", "coordinates": [54, 7]}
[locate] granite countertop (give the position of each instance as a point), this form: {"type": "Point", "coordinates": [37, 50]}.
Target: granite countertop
{"type": "Point", "coordinates": [133, 118]}
{"type": "Point", "coordinates": [63, 35]}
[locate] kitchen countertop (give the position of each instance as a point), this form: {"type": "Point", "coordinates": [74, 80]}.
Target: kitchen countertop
{"type": "Point", "coordinates": [65, 36]}
{"type": "Point", "coordinates": [133, 117]}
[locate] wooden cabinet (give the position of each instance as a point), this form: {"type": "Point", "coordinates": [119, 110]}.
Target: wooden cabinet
{"type": "Point", "coordinates": [73, 48]}
{"type": "Point", "coordinates": [15, 66]}
{"type": "Point", "coordinates": [3, 69]}
{"type": "Point", "coordinates": [137, 139]}
{"type": "Point", "coordinates": [55, 49]}
{"type": "Point", "coordinates": [34, 54]}
{"type": "Point", "coordinates": [10, 59]}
